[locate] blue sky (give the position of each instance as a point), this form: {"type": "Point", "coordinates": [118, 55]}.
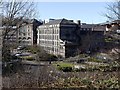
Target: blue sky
{"type": "Point", "coordinates": [87, 12]}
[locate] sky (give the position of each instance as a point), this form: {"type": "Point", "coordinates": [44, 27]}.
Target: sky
{"type": "Point", "coordinates": [87, 12]}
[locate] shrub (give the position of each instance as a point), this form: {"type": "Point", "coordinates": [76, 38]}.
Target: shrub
{"type": "Point", "coordinates": [52, 57]}
{"type": "Point", "coordinates": [65, 69]}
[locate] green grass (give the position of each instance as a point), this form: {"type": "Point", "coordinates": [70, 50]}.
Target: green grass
{"type": "Point", "coordinates": [27, 58]}
{"type": "Point", "coordinates": [64, 66]}
{"type": "Point", "coordinates": [94, 60]}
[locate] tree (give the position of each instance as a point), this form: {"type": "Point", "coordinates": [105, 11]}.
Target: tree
{"type": "Point", "coordinates": [14, 13]}
{"type": "Point", "coordinates": [113, 15]}
{"type": "Point", "coordinates": [113, 10]}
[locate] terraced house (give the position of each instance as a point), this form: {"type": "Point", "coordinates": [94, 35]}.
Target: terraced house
{"type": "Point", "coordinates": [59, 37]}
{"type": "Point", "coordinates": [27, 33]}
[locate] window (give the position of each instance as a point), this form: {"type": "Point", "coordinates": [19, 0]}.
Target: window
{"type": "Point", "coordinates": [29, 38]}
{"type": "Point", "coordinates": [19, 37]}
{"type": "Point", "coordinates": [28, 33]}
{"type": "Point", "coordinates": [24, 38]}
{"type": "Point", "coordinates": [24, 34]}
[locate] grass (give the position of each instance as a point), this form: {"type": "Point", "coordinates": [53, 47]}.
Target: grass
{"type": "Point", "coordinates": [30, 58]}
{"type": "Point", "coordinates": [64, 66]}
{"type": "Point", "coordinates": [94, 60]}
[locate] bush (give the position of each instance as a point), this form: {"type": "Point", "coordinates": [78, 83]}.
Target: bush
{"type": "Point", "coordinates": [52, 57]}
{"type": "Point", "coordinates": [65, 69]}
{"type": "Point", "coordinates": [34, 49]}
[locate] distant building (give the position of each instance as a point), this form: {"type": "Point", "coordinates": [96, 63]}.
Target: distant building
{"type": "Point", "coordinates": [112, 26]}
{"type": "Point", "coordinates": [59, 37]}
{"type": "Point", "coordinates": [86, 27]}
{"type": "Point", "coordinates": [27, 33]}
{"type": "Point", "coordinates": [92, 37]}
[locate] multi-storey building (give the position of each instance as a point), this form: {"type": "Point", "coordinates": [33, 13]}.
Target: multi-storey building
{"type": "Point", "coordinates": [59, 37]}
{"type": "Point", "coordinates": [92, 37]}
{"type": "Point", "coordinates": [27, 33]}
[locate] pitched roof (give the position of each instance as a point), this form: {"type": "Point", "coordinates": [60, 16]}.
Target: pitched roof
{"type": "Point", "coordinates": [59, 21]}
{"type": "Point", "coordinates": [112, 22]}
{"type": "Point", "coordinates": [86, 25]}
{"type": "Point", "coordinates": [99, 28]}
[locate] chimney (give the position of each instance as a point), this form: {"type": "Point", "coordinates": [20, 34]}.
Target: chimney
{"type": "Point", "coordinates": [78, 22]}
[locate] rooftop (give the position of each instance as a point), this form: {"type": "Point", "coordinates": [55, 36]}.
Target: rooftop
{"type": "Point", "coordinates": [59, 21]}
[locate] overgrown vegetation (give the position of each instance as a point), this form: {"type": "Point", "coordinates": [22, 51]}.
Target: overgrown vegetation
{"type": "Point", "coordinates": [40, 54]}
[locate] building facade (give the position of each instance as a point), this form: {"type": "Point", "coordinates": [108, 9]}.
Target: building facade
{"type": "Point", "coordinates": [27, 33]}
{"type": "Point", "coordinates": [92, 37]}
{"type": "Point", "coordinates": [59, 37]}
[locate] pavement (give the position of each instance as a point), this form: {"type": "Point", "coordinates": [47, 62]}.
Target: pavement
{"type": "Point", "coordinates": [35, 63]}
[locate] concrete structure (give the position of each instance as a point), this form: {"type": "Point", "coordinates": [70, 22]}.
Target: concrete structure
{"type": "Point", "coordinates": [59, 37]}
{"type": "Point", "coordinates": [27, 33]}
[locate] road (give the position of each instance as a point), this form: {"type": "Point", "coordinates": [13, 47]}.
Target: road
{"type": "Point", "coordinates": [34, 63]}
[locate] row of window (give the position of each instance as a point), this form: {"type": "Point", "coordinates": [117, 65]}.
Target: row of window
{"type": "Point", "coordinates": [52, 50]}
{"type": "Point", "coordinates": [48, 26]}
{"type": "Point", "coordinates": [24, 34]}
{"type": "Point", "coordinates": [86, 29]}
{"type": "Point", "coordinates": [25, 38]}
{"type": "Point", "coordinates": [49, 37]}
{"type": "Point", "coordinates": [25, 42]}
{"type": "Point", "coordinates": [49, 43]}
{"type": "Point", "coordinates": [49, 31]}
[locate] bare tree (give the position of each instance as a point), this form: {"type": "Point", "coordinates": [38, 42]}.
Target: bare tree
{"type": "Point", "coordinates": [14, 13]}
{"type": "Point", "coordinates": [113, 10]}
